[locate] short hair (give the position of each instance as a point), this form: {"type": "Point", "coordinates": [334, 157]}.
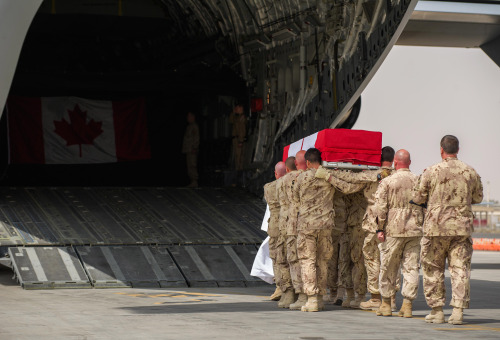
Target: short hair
{"type": "Point", "coordinates": [290, 163]}
{"type": "Point", "coordinates": [449, 144]}
{"type": "Point", "coordinates": [387, 154]}
{"type": "Point", "coordinates": [313, 155]}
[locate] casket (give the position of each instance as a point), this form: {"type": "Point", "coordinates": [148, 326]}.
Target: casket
{"type": "Point", "coordinates": [342, 148]}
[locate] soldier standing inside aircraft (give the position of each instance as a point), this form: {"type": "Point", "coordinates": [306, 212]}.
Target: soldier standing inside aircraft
{"type": "Point", "coordinates": [291, 231]}
{"type": "Point", "coordinates": [315, 222]}
{"type": "Point", "coordinates": [238, 120]}
{"type": "Point", "coordinates": [400, 227]}
{"type": "Point", "coordinates": [190, 145]}
{"type": "Point", "coordinates": [285, 278]}
{"type": "Point", "coordinates": [271, 197]}
{"type": "Point", "coordinates": [448, 188]}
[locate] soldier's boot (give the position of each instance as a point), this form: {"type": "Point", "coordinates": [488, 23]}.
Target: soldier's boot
{"type": "Point", "coordinates": [385, 308]}
{"type": "Point", "coordinates": [357, 301]}
{"type": "Point", "coordinates": [457, 316]}
{"type": "Point", "coordinates": [301, 301]}
{"type": "Point", "coordinates": [321, 302]}
{"type": "Point", "coordinates": [436, 315]}
{"type": "Point", "coordinates": [287, 298]}
{"type": "Point", "coordinates": [276, 295]}
{"type": "Point", "coordinates": [394, 307]}
{"type": "Point", "coordinates": [332, 296]}
{"type": "Point", "coordinates": [311, 304]}
{"type": "Point", "coordinates": [372, 304]}
{"type": "Point", "coordinates": [405, 310]}
{"type": "Point", "coordinates": [349, 299]}
{"type": "Point", "coordinates": [340, 297]}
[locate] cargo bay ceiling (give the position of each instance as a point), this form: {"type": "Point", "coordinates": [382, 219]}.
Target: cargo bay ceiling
{"type": "Point", "coordinates": [306, 60]}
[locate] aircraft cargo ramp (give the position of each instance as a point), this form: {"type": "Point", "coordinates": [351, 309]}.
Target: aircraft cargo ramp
{"type": "Point", "coordinates": [74, 237]}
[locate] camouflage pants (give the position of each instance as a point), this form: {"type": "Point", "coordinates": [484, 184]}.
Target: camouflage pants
{"type": "Point", "coordinates": [345, 263]}
{"type": "Point", "coordinates": [371, 255]}
{"type": "Point", "coordinates": [434, 252]}
{"type": "Point", "coordinates": [192, 166]}
{"type": "Point", "coordinates": [314, 248]}
{"type": "Point", "coordinates": [358, 269]}
{"type": "Point", "coordinates": [333, 263]}
{"type": "Point", "coordinates": [283, 280]}
{"type": "Point", "coordinates": [272, 254]}
{"type": "Point", "coordinates": [293, 262]}
{"type": "Point", "coordinates": [404, 253]}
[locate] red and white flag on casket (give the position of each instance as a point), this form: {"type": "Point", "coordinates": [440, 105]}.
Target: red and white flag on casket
{"type": "Point", "coordinates": [341, 145]}
{"type": "Point", "coordinates": [71, 130]}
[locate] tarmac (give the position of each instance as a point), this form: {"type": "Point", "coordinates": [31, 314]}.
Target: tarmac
{"type": "Point", "coordinates": [231, 313]}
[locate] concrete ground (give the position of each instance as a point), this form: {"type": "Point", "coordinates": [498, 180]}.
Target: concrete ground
{"type": "Point", "coordinates": [229, 313]}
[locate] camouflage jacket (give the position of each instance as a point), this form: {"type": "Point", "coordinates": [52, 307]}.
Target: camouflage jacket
{"type": "Point", "coordinates": [293, 209]}
{"type": "Point", "coordinates": [271, 197]}
{"type": "Point", "coordinates": [191, 141]}
{"type": "Point", "coordinates": [315, 197]}
{"type": "Point", "coordinates": [339, 205]}
{"type": "Point", "coordinates": [449, 188]}
{"type": "Point", "coordinates": [284, 201]}
{"type": "Point", "coordinates": [396, 215]}
{"type": "Point", "coordinates": [356, 208]}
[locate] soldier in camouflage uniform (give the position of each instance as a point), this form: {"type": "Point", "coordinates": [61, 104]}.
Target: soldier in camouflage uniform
{"type": "Point", "coordinates": [239, 132]}
{"type": "Point", "coordinates": [285, 278]}
{"type": "Point", "coordinates": [291, 231]}
{"type": "Point", "coordinates": [271, 197]}
{"type": "Point", "coordinates": [400, 227]}
{"type": "Point", "coordinates": [448, 188]}
{"type": "Point", "coordinates": [314, 225]}
{"type": "Point", "coordinates": [190, 145]}
{"type": "Point", "coordinates": [366, 181]}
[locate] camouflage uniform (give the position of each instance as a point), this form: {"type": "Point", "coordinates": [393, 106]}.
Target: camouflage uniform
{"type": "Point", "coordinates": [449, 188]}
{"type": "Point", "coordinates": [190, 145]}
{"type": "Point", "coordinates": [337, 262]}
{"type": "Point", "coordinates": [356, 207]}
{"type": "Point", "coordinates": [402, 226]}
{"type": "Point", "coordinates": [271, 197]}
{"type": "Point", "coordinates": [314, 225]}
{"type": "Point", "coordinates": [239, 133]}
{"type": "Point", "coordinates": [284, 281]}
{"type": "Point", "coordinates": [371, 252]}
{"type": "Point", "coordinates": [291, 231]}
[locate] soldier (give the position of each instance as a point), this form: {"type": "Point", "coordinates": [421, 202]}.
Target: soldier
{"type": "Point", "coordinates": [190, 145]}
{"type": "Point", "coordinates": [448, 188]}
{"type": "Point", "coordinates": [271, 197]}
{"type": "Point", "coordinates": [400, 227]}
{"type": "Point", "coordinates": [238, 120]}
{"type": "Point", "coordinates": [284, 280]}
{"type": "Point", "coordinates": [366, 181]}
{"type": "Point", "coordinates": [314, 225]}
{"type": "Point", "coordinates": [291, 231]}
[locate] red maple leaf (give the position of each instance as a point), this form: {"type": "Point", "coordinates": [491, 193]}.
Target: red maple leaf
{"type": "Point", "coordinates": [78, 132]}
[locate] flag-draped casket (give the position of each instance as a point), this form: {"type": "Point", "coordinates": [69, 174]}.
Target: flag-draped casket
{"type": "Point", "coordinates": [341, 145]}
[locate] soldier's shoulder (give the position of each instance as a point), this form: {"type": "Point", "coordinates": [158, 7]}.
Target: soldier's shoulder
{"type": "Point", "coordinates": [269, 185]}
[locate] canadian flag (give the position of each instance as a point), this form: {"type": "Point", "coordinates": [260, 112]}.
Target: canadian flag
{"type": "Point", "coordinates": [341, 145]}
{"type": "Point", "coordinates": [72, 130]}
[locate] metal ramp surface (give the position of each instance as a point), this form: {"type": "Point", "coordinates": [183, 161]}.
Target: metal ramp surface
{"type": "Point", "coordinates": [48, 267]}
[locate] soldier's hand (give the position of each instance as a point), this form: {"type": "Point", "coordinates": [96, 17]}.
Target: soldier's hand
{"type": "Point", "coordinates": [383, 174]}
{"type": "Point", "coordinates": [381, 236]}
{"type": "Point", "coordinates": [322, 173]}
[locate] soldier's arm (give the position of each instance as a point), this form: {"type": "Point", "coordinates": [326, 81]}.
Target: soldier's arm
{"type": "Point", "coordinates": [381, 206]}
{"type": "Point", "coordinates": [341, 185]}
{"type": "Point", "coordinates": [363, 177]}
{"type": "Point", "coordinates": [477, 191]}
{"type": "Point", "coordinates": [421, 190]}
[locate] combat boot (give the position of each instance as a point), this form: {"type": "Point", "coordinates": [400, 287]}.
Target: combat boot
{"type": "Point", "coordinates": [311, 304]}
{"type": "Point", "coordinates": [405, 310]}
{"type": "Point", "coordinates": [276, 295]}
{"type": "Point", "coordinates": [340, 297]}
{"type": "Point", "coordinates": [333, 296]}
{"type": "Point", "coordinates": [436, 315]}
{"type": "Point", "coordinates": [301, 301]}
{"type": "Point", "coordinates": [287, 299]}
{"type": "Point", "coordinates": [385, 307]}
{"type": "Point", "coordinates": [372, 304]}
{"type": "Point", "coordinates": [457, 316]}
{"type": "Point", "coordinates": [357, 301]}
{"type": "Point", "coordinates": [394, 307]}
{"type": "Point", "coordinates": [321, 303]}
{"type": "Point", "coordinates": [350, 298]}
